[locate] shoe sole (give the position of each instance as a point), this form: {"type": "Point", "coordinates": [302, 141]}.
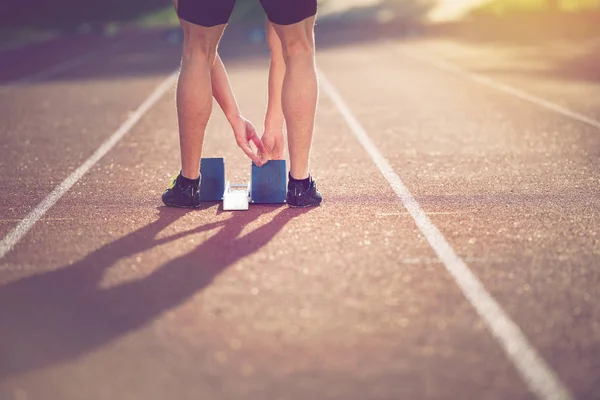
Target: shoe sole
{"type": "Point", "coordinates": [178, 206]}
{"type": "Point", "coordinates": [306, 206]}
{"type": "Point", "coordinates": [198, 206]}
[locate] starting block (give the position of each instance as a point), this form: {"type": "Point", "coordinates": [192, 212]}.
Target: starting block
{"type": "Point", "coordinates": [268, 184]}
{"type": "Point", "coordinates": [236, 196]}
{"type": "Point", "coordinates": [212, 179]}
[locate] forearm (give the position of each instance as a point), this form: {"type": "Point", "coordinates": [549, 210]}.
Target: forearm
{"type": "Point", "coordinates": [274, 117]}
{"type": "Point", "coordinates": [222, 91]}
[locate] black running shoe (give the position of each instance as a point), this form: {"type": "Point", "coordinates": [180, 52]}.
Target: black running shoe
{"type": "Point", "coordinates": [298, 196]}
{"type": "Point", "coordinates": [182, 194]}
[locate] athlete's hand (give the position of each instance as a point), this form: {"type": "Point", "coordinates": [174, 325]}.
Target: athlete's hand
{"type": "Point", "coordinates": [245, 134]}
{"type": "Point", "coordinates": [273, 143]}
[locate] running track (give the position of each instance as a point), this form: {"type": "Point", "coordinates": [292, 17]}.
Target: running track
{"type": "Point", "coordinates": [456, 255]}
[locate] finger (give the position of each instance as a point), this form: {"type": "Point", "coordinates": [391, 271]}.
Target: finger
{"type": "Point", "coordinates": [250, 132]}
{"type": "Point", "coordinates": [259, 144]}
{"type": "Point", "coordinates": [264, 152]}
{"type": "Point", "coordinates": [247, 149]}
{"type": "Point", "coordinates": [264, 158]}
{"type": "Point", "coordinates": [263, 155]}
{"type": "Point", "coordinates": [268, 143]}
{"type": "Point", "coordinates": [252, 136]}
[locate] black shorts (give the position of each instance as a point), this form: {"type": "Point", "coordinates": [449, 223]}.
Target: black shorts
{"type": "Point", "coordinates": [217, 12]}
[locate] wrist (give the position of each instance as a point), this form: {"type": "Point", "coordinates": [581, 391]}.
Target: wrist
{"type": "Point", "coordinates": [233, 117]}
{"type": "Point", "coordinates": [274, 121]}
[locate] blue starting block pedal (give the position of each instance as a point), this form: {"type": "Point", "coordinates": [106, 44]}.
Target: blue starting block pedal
{"type": "Point", "coordinates": [212, 179]}
{"type": "Point", "coordinates": [268, 184]}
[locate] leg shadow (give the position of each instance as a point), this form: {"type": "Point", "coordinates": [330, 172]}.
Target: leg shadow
{"type": "Point", "coordinates": [56, 316]}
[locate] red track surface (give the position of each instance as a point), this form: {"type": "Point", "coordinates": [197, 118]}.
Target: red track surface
{"type": "Point", "coordinates": [112, 296]}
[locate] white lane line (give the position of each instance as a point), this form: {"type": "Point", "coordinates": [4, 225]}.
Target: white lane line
{"type": "Point", "coordinates": [499, 86]}
{"type": "Point", "coordinates": [438, 261]}
{"type": "Point", "coordinates": [540, 379]}
{"type": "Point", "coordinates": [14, 236]}
{"type": "Point", "coordinates": [59, 68]}
{"type": "Point", "coordinates": [43, 219]}
{"type": "Point", "coordinates": [396, 214]}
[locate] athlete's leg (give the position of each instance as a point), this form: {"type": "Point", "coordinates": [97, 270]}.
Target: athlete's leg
{"type": "Point", "coordinates": [194, 93]}
{"type": "Point", "coordinates": [203, 22]}
{"type": "Point", "coordinates": [299, 93]}
{"type": "Point", "coordinates": [293, 22]}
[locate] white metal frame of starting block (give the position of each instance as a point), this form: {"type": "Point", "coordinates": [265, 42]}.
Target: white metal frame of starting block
{"type": "Point", "coordinates": [236, 196]}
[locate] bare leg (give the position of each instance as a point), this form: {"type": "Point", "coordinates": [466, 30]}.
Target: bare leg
{"type": "Point", "coordinates": [300, 91]}
{"type": "Point", "coordinates": [194, 92]}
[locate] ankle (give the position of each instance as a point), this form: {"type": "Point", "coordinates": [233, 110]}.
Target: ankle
{"type": "Point", "coordinates": [299, 174]}
{"type": "Point", "coordinates": [188, 181]}
{"type": "Point", "coordinates": [305, 182]}
{"type": "Point", "coordinates": [192, 177]}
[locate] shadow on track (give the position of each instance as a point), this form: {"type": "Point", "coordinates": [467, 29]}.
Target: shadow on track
{"type": "Point", "coordinates": [56, 316]}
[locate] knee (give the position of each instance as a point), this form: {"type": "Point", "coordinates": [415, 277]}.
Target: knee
{"type": "Point", "coordinates": [197, 47]}
{"type": "Point", "coordinates": [298, 46]}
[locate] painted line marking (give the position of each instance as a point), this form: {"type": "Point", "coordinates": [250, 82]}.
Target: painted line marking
{"type": "Point", "coordinates": [396, 214]}
{"type": "Point", "coordinates": [438, 261]}
{"type": "Point", "coordinates": [14, 236]}
{"type": "Point", "coordinates": [42, 219]}
{"type": "Point", "coordinates": [537, 375]}
{"type": "Point", "coordinates": [499, 86]}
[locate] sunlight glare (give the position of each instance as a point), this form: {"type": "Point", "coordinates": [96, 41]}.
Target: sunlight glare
{"type": "Point", "coordinates": [447, 10]}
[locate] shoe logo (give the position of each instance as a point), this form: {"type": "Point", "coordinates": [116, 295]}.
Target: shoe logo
{"type": "Point", "coordinates": [173, 181]}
